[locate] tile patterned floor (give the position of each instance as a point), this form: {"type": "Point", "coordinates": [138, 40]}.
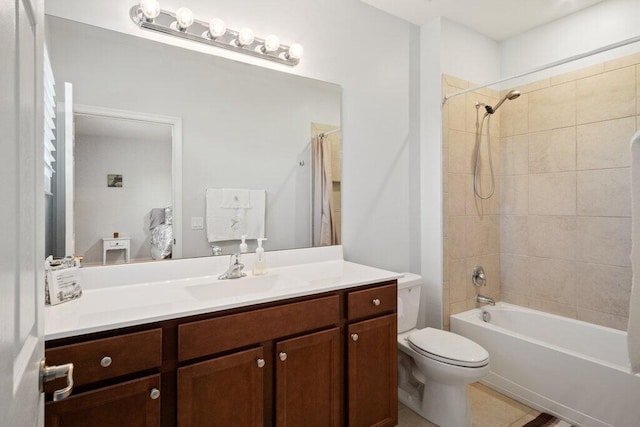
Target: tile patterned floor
{"type": "Point", "coordinates": [488, 409]}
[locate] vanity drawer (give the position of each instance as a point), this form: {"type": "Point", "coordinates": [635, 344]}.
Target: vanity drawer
{"type": "Point", "coordinates": [101, 359]}
{"type": "Point", "coordinates": [373, 301]}
{"type": "Point", "coordinates": [205, 337]}
{"type": "Point", "coordinates": [115, 244]}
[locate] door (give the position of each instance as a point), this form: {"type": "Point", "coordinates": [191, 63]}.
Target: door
{"type": "Point", "coordinates": [373, 372]}
{"type": "Point", "coordinates": [21, 211]}
{"type": "Point", "coordinates": [308, 380]}
{"type": "Point", "coordinates": [225, 391]}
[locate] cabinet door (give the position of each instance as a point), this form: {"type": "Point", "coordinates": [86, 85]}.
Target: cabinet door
{"type": "Point", "coordinates": [225, 391]}
{"type": "Point", "coordinates": [308, 380]}
{"type": "Point", "coordinates": [133, 403]}
{"type": "Point", "coordinates": [373, 375]}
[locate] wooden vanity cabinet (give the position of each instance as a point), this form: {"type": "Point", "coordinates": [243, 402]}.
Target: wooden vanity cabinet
{"type": "Point", "coordinates": [372, 371]}
{"type": "Point", "coordinates": [288, 363]}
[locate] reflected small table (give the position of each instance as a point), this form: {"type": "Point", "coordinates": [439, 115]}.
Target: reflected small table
{"type": "Point", "coordinates": [116, 243]}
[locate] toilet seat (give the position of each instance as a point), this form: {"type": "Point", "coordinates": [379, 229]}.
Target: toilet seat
{"type": "Point", "coordinates": [449, 348]}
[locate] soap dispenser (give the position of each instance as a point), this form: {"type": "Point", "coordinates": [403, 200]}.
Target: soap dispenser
{"type": "Point", "coordinates": [260, 265]}
{"type": "Point", "coordinates": [243, 245]}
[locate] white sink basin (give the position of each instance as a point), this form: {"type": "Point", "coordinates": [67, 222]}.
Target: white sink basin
{"type": "Point", "coordinates": [233, 288]}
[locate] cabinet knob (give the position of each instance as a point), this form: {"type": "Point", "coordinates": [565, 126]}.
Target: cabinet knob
{"type": "Point", "coordinates": [260, 363]}
{"type": "Point", "coordinates": [155, 393]}
{"type": "Point", "coordinates": [376, 302]}
{"type": "Point", "coordinates": [354, 337]}
{"type": "Point", "coordinates": [106, 362]}
{"type": "Point", "coordinates": [283, 356]}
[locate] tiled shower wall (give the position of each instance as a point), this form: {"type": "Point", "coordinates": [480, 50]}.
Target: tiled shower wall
{"type": "Point", "coordinates": [565, 229]}
{"type": "Point", "coordinates": [557, 235]}
{"type": "Point", "coordinates": [471, 225]}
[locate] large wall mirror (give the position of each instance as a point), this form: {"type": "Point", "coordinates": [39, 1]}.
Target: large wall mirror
{"type": "Point", "coordinates": [248, 138]}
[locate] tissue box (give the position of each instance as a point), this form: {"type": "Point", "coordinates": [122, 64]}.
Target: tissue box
{"type": "Point", "coordinates": [62, 285]}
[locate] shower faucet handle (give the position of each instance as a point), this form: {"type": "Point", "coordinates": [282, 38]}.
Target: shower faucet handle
{"type": "Point", "coordinates": [478, 276]}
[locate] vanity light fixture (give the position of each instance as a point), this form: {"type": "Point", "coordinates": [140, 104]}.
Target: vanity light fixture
{"type": "Point", "coordinates": [149, 16]}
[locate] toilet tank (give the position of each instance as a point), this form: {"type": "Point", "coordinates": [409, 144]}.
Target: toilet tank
{"type": "Point", "coordinates": [408, 301]}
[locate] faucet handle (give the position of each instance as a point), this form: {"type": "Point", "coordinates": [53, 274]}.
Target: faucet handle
{"type": "Point", "coordinates": [235, 259]}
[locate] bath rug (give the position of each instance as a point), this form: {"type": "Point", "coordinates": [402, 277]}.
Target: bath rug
{"type": "Point", "coordinates": [546, 420]}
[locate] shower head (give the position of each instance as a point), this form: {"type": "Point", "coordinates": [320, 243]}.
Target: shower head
{"type": "Point", "coordinates": [512, 94]}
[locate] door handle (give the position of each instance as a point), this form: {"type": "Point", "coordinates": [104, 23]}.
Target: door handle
{"type": "Point", "coordinates": [50, 373]}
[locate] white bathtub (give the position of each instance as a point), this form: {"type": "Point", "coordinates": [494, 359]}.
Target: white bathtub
{"type": "Point", "coordinates": [576, 370]}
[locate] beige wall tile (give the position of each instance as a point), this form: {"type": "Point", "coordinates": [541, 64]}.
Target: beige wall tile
{"type": "Point", "coordinates": [457, 237]}
{"type": "Point", "coordinates": [479, 207]}
{"type": "Point", "coordinates": [604, 192]}
{"type": "Point", "coordinates": [604, 240]}
{"type": "Point", "coordinates": [610, 95]}
{"type": "Point", "coordinates": [513, 298]}
{"type": "Point", "coordinates": [457, 111]}
{"type": "Point", "coordinates": [552, 193]}
{"type": "Point", "coordinates": [623, 62]}
{"type": "Point", "coordinates": [514, 274]}
{"type": "Point", "coordinates": [514, 155]}
{"type": "Point", "coordinates": [514, 195]}
{"type": "Point", "coordinates": [553, 307]}
{"type": "Point", "coordinates": [459, 281]}
{"type": "Point", "coordinates": [457, 307]}
{"type": "Point", "coordinates": [604, 288]}
{"type": "Point", "coordinates": [552, 150]}
{"type": "Point", "coordinates": [530, 87]}
{"type": "Point", "coordinates": [605, 144]}
{"type": "Point", "coordinates": [552, 108]}
{"type": "Point", "coordinates": [461, 152]}
{"type": "Point", "coordinates": [514, 234]}
{"type": "Point", "coordinates": [577, 74]}
{"type": "Point", "coordinates": [553, 237]}
{"type": "Point", "coordinates": [553, 279]}
{"type": "Point", "coordinates": [457, 194]}
{"type": "Point", "coordinates": [604, 319]}
{"type": "Point", "coordinates": [483, 235]}
{"type": "Point", "coordinates": [455, 81]}
{"type": "Point", "coordinates": [514, 116]}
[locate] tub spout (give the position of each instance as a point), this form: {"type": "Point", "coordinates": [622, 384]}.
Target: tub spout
{"type": "Point", "coordinates": [485, 300]}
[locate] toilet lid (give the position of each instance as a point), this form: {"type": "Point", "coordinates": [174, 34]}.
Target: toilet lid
{"type": "Point", "coordinates": [448, 347]}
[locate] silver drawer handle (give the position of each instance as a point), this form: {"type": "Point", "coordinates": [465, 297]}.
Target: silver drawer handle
{"type": "Point", "coordinates": [106, 362]}
{"type": "Point", "coordinates": [155, 393]}
{"type": "Point", "coordinates": [354, 337]}
{"type": "Point", "coordinates": [260, 363]}
{"type": "Point", "coordinates": [376, 302]}
{"type": "Point", "coordinates": [283, 356]}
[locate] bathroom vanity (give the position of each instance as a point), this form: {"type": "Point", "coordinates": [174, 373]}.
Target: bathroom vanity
{"type": "Point", "coordinates": [313, 344]}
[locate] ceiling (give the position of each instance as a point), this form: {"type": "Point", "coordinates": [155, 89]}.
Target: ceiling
{"type": "Point", "coordinates": [496, 19]}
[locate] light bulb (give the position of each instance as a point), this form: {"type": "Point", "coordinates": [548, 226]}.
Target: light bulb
{"type": "Point", "coordinates": [295, 51]}
{"type": "Point", "coordinates": [271, 43]}
{"type": "Point", "coordinates": [184, 17]}
{"type": "Point", "coordinates": [217, 28]}
{"type": "Point", "coordinates": [245, 37]}
{"type": "Point", "coordinates": [150, 9]}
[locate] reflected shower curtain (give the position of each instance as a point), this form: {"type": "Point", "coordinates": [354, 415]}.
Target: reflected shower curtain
{"type": "Point", "coordinates": [324, 230]}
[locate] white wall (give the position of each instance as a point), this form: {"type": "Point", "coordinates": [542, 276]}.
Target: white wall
{"type": "Point", "coordinates": [366, 52]}
{"type": "Point", "coordinates": [604, 23]}
{"type": "Point", "coordinates": [145, 166]}
{"type": "Point", "coordinates": [467, 54]}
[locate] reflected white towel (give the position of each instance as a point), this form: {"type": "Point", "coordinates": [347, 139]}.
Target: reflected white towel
{"type": "Point", "coordinates": [231, 223]}
{"type": "Point", "coordinates": [234, 198]}
{"type": "Point", "coordinates": [633, 330]}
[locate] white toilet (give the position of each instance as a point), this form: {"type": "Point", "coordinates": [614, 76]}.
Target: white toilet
{"type": "Point", "coordinates": [434, 366]}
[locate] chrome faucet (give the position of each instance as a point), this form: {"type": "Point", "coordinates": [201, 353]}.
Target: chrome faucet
{"type": "Point", "coordinates": [485, 300]}
{"type": "Point", "coordinates": [235, 269]}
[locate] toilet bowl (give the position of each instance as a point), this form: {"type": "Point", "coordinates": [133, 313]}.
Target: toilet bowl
{"type": "Point", "coordinates": [434, 366]}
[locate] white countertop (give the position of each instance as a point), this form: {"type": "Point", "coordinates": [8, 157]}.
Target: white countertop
{"type": "Point", "coordinates": [105, 308]}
